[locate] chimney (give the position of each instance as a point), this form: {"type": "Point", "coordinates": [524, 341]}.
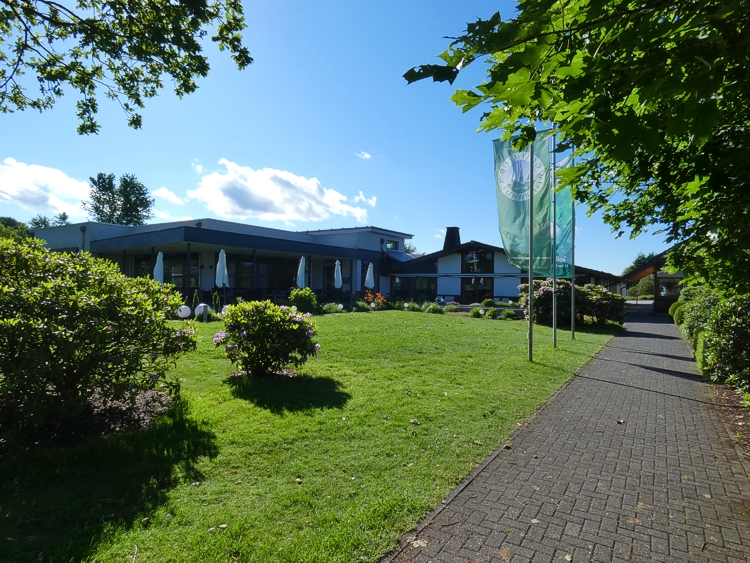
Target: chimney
{"type": "Point", "coordinates": [452, 238]}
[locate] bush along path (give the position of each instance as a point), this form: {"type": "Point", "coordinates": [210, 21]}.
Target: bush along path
{"type": "Point", "coordinates": [630, 461]}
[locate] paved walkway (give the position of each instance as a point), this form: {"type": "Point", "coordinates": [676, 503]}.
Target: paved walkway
{"type": "Point", "coordinates": [629, 462]}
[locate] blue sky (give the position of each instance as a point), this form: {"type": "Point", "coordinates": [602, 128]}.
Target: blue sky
{"type": "Point", "coordinates": [321, 131]}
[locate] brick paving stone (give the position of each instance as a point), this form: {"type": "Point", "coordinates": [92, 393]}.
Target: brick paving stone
{"type": "Point", "coordinates": [666, 484]}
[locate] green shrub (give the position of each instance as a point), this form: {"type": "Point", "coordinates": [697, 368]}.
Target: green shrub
{"type": "Point", "coordinates": [434, 308]}
{"type": "Point", "coordinates": [262, 338]}
{"type": "Point", "coordinates": [333, 308]}
{"type": "Point", "coordinates": [216, 301]}
{"type": "Point", "coordinates": [72, 325]}
{"type": "Point", "coordinates": [411, 306]}
{"type": "Point", "coordinates": [594, 303]}
{"type": "Point", "coordinates": [699, 348]}
{"type": "Point", "coordinates": [697, 312]}
{"type": "Point", "coordinates": [475, 313]}
{"type": "Point", "coordinates": [674, 306]}
{"type": "Point", "coordinates": [692, 292]}
{"type": "Point", "coordinates": [491, 313]}
{"type": "Point", "coordinates": [679, 316]}
{"type": "Point", "coordinates": [452, 309]}
{"type": "Point", "coordinates": [509, 315]}
{"type": "Point", "coordinates": [488, 303]}
{"type": "Point", "coordinates": [726, 350]}
{"type": "Point", "coordinates": [304, 299]}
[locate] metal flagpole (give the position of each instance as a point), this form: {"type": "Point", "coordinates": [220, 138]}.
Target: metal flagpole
{"type": "Point", "coordinates": [573, 273]}
{"type": "Point", "coordinates": [531, 253]}
{"type": "Point", "coordinates": [554, 243]}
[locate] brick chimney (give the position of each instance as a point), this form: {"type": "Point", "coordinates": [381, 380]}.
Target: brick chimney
{"type": "Point", "coordinates": [452, 238]}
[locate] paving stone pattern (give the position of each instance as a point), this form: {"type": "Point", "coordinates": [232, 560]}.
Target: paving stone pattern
{"type": "Point", "coordinates": [628, 462]}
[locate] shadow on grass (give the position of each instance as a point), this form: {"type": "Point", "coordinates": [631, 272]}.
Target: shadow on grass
{"type": "Point", "coordinates": [279, 393]}
{"type": "Point", "coordinates": [60, 502]}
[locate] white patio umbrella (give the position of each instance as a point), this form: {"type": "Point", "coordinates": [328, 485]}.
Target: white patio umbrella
{"type": "Point", "coordinates": [222, 276]}
{"type": "Point", "coordinates": [369, 278]}
{"type": "Point", "coordinates": [301, 273]}
{"type": "Point", "coordinates": [159, 268]}
{"type": "Point", "coordinates": [337, 280]}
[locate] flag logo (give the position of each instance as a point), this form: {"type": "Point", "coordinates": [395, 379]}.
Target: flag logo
{"type": "Point", "coordinates": [513, 176]}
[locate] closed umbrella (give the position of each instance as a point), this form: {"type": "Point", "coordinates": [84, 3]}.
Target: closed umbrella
{"type": "Point", "coordinates": [337, 281]}
{"type": "Point", "coordinates": [369, 278]}
{"type": "Point", "coordinates": [222, 276]}
{"type": "Point", "coordinates": [159, 268]}
{"type": "Point", "coordinates": [301, 273]}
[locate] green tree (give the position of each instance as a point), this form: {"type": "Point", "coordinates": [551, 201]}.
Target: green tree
{"type": "Point", "coordinates": [653, 97]}
{"type": "Point", "coordinates": [639, 261]}
{"type": "Point", "coordinates": [43, 222]}
{"type": "Point", "coordinates": [645, 286]}
{"type": "Point", "coordinates": [127, 203]}
{"type": "Point", "coordinates": [409, 248]}
{"type": "Point", "coordinates": [125, 48]}
{"type": "Point", "coordinates": [13, 229]}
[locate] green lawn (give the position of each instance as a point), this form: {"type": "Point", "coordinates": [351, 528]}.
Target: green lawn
{"type": "Point", "coordinates": [333, 465]}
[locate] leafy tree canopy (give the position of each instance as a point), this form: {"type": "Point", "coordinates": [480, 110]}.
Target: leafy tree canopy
{"type": "Point", "coordinates": [128, 203]}
{"type": "Point", "coordinates": [42, 221]}
{"type": "Point", "coordinates": [13, 229]}
{"type": "Point", "coordinates": [409, 248]}
{"type": "Point", "coordinates": [639, 261]}
{"type": "Point", "coordinates": [125, 49]}
{"type": "Point", "coordinates": [654, 98]}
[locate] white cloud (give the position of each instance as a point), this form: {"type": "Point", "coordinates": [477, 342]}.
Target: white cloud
{"type": "Point", "coordinates": [195, 165]}
{"type": "Point", "coordinates": [170, 196]}
{"type": "Point", "coordinates": [165, 216]}
{"type": "Point", "coordinates": [363, 155]}
{"type": "Point", "coordinates": [239, 192]}
{"type": "Point", "coordinates": [290, 224]}
{"type": "Point", "coordinates": [440, 234]}
{"type": "Point", "coordinates": [361, 197]}
{"type": "Point", "coordinates": [41, 189]}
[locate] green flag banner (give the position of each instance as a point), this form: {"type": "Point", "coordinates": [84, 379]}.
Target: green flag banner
{"type": "Point", "coordinates": [512, 174]}
{"type": "Point", "coordinates": [564, 222]}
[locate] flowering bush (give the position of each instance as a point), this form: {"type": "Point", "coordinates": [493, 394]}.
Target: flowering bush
{"type": "Point", "coordinates": [593, 302]}
{"type": "Point", "coordinates": [377, 301]}
{"type": "Point", "coordinates": [72, 325]}
{"type": "Point", "coordinates": [262, 338]}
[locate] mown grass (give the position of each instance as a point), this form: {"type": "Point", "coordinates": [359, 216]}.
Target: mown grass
{"type": "Point", "coordinates": [333, 465]}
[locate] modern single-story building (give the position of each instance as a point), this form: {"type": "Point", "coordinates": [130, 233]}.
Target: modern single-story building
{"type": "Point", "coordinates": [666, 286]}
{"type": "Point", "coordinates": [263, 262]}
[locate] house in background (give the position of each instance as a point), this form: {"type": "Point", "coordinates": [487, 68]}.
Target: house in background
{"type": "Point", "coordinates": [667, 286]}
{"type": "Point", "coordinates": [262, 262]}
{"type": "Point", "coordinates": [470, 273]}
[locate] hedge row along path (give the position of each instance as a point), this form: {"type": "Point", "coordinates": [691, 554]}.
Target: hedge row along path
{"type": "Point", "coordinates": [630, 461]}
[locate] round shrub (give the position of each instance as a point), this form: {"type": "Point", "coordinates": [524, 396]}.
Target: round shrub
{"type": "Point", "coordinates": [411, 306]}
{"type": "Point", "coordinates": [509, 315]}
{"type": "Point", "coordinates": [692, 292]}
{"type": "Point", "coordinates": [304, 299]}
{"type": "Point", "coordinates": [679, 315]}
{"type": "Point", "coordinates": [698, 311]}
{"type": "Point", "coordinates": [475, 313]}
{"type": "Point", "coordinates": [452, 309]}
{"type": "Point", "coordinates": [488, 303]}
{"type": "Point", "coordinates": [674, 306]}
{"type": "Point", "coordinates": [262, 338]}
{"type": "Point", "coordinates": [725, 352]}
{"type": "Point", "coordinates": [491, 313]}
{"type": "Point", "coordinates": [333, 308]}
{"type": "Point", "coordinates": [72, 325]}
{"type": "Point", "coordinates": [434, 308]}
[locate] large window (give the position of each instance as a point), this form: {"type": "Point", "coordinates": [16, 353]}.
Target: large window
{"type": "Point", "coordinates": [243, 271]}
{"type": "Point", "coordinates": [174, 268]}
{"type": "Point", "coordinates": [477, 261]}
